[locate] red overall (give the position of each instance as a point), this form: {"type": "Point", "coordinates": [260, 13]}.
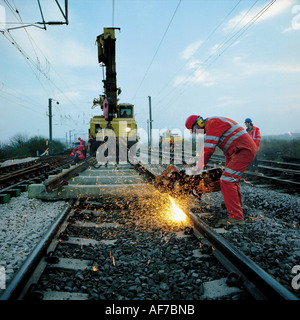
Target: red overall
{"type": "Point", "coordinates": [239, 149]}
{"type": "Point", "coordinates": [82, 145]}
{"type": "Point", "coordinates": [255, 134]}
{"type": "Point", "coordinates": [78, 154]}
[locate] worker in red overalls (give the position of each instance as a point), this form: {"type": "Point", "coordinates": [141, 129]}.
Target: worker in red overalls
{"type": "Point", "coordinates": [82, 147]}
{"type": "Point", "coordinates": [239, 149]}
{"type": "Point", "coordinates": [77, 155]}
{"type": "Point", "coordinates": [254, 132]}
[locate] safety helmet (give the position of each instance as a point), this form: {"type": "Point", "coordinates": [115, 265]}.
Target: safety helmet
{"type": "Point", "coordinates": [190, 121]}
{"type": "Point", "coordinates": [79, 138]}
{"type": "Point", "coordinates": [248, 120]}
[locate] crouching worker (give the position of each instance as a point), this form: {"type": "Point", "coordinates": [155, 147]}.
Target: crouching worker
{"type": "Point", "coordinates": [76, 155]}
{"type": "Point", "coordinates": [239, 149]}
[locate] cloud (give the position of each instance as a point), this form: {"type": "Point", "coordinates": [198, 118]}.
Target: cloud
{"type": "Point", "coordinates": [245, 17]}
{"type": "Point", "coordinates": [197, 73]}
{"type": "Point", "coordinates": [74, 54]}
{"type": "Point", "coordinates": [71, 95]}
{"type": "Point", "coordinates": [190, 50]}
{"type": "Point", "coordinates": [295, 23]}
{"type": "Point", "coordinates": [228, 101]}
{"type": "Point", "coordinates": [255, 68]}
{"type": "Point", "coordinates": [215, 48]}
{"type": "Point", "coordinates": [237, 59]}
{"type": "Point", "coordinates": [198, 76]}
{"type": "Point", "coordinates": [66, 52]}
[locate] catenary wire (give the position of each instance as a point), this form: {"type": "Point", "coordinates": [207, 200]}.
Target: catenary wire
{"type": "Point", "coordinates": [159, 45]}
{"type": "Point", "coordinates": [162, 90]}
{"type": "Point", "coordinates": [238, 34]}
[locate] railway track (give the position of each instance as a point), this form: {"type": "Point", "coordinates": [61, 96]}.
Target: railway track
{"type": "Point", "coordinates": [126, 242]}
{"type": "Point", "coordinates": [272, 174]}
{"type": "Point", "coordinates": [16, 178]}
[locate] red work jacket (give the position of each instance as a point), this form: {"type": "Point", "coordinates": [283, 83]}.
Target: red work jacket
{"type": "Point", "coordinates": [79, 153]}
{"type": "Point", "coordinates": [228, 135]}
{"type": "Point", "coordinates": [255, 134]}
{"type": "Point", "coordinates": [82, 145]}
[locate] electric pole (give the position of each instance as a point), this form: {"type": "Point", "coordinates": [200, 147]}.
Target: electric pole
{"type": "Point", "coordinates": [50, 127]}
{"type": "Point", "coordinates": [150, 121]}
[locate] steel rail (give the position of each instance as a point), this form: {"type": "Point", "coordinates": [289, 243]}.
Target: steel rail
{"type": "Point", "coordinates": [20, 279]}
{"type": "Point", "coordinates": [17, 166]}
{"type": "Point", "coordinates": [292, 183]}
{"type": "Point", "coordinates": [265, 286]}
{"type": "Point", "coordinates": [254, 279]}
{"type": "Point", "coordinates": [56, 182]}
{"type": "Point", "coordinates": [258, 282]}
{"type": "Point", "coordinates": [37, 168]}
{"type": "Point", "coordinates": [24, 172]}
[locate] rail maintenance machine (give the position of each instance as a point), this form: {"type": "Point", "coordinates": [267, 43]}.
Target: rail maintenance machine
{"type": "Point", "coordinates": [117, 119]}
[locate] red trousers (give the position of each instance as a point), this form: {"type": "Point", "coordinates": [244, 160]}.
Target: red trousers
{"type": "Point", "coordinates": [236, 164]}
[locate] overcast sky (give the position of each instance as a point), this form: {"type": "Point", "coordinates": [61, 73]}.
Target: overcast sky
{"type": "Point", "coordinates": [230, 58]}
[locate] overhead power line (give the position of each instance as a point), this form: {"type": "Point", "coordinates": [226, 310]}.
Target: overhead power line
{"type": "Point", "coordinates": [162, 90]}
{"type": "Point", "coordinates": [159, 45]}
{"type": "Point", "coordinates": [44, 23]}
{"type": "Point", "coordinates": [35, 64]}
{"type": "Point", "coordinates": [227, 41]}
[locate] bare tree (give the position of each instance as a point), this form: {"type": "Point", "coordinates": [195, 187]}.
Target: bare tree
{"type": "Point", "coordinates": [18, 140]}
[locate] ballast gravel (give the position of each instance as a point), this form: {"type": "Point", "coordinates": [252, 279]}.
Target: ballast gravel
{"type": "Point", "coordinates": [23, 222]}
{"type": "Point", "coordinates": [270, 235]}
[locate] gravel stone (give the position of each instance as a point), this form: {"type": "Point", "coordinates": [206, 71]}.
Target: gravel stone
{"type": "Point", "coordinates": [23, 222]}
{"type": "Point", "coordinates": [270, 237]}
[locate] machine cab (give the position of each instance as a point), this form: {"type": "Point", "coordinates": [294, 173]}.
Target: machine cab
{"type": "Point", "coordinates": [125, 110]}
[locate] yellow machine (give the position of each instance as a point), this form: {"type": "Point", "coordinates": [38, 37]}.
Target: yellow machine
{"type": "Point", "coordinates": [116, 117]}
{"type": "Point", "coordinates": [170, 141]}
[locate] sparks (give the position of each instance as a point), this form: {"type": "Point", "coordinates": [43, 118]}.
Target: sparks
{"type": "Point", "coordinates": [254, 219]}
{"type": "Point", "coordinates": [248, 182]}
{"type": "Point", "coordinates": [177, 214]}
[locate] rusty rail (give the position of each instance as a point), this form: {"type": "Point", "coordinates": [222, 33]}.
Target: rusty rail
{"type": "Point", "coordinates": [258, 283]}
{"type": "Point", "coordinates": [61, 179]}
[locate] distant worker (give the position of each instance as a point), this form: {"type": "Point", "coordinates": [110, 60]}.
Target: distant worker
{"type": "Point", "coordinates": [77, 155]}
{"type": "Point", "coordinates": [255, 134]}
{"type": "Point", "coordinates": [253, 131]}
{"type": "Point", "coordinates": [82, 146]}
{"type": "Point", "coordinates": [239, 150]}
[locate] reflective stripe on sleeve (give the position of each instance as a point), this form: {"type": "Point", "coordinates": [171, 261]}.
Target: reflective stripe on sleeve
{"type": "Point", "coordinates": [212, 138]}
{"type": "Point", "coordinates": [210, 145]}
